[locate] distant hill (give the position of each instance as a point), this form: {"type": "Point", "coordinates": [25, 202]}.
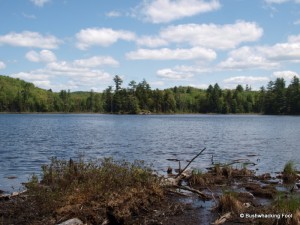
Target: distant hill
{"type": "Point", "coordinates": [20, 96]}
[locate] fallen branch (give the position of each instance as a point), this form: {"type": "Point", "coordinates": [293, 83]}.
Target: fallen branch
{"type": "Point", "coordinates": [180, 172]}
{"type": "Point", "coordinates": [222, 219]}
{"type": "Point", "coordinates": [12, 195]}
{"type": "Point", "coordinates": [199, 193]}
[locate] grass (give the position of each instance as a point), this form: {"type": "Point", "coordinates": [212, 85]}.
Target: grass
{"type": "Point", "coordinates": [92, 191]}
{"type": "Point", "coordinates": [289, 172]}
{"type": "Point", "coordinates": [229, 203]}
{"type": "Point", "coordinates": [287, 204]}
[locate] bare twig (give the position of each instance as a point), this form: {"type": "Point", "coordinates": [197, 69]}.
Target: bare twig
{"type": "Point", "coordinates": [180, 172]}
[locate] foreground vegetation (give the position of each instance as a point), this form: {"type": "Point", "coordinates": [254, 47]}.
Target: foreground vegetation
{"type": "Point", "coordinates": [277, 98]}
{"type": "Point", "coordinates": [113, 192]}
{"type": "Point", "coordinates": [94, 192]}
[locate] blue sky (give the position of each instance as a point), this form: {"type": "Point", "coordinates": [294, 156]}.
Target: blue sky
{"type": "Point", "coordinates": [81, 45]}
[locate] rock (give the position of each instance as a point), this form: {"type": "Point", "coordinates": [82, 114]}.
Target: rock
{"type": "Point", "coordinates": [73, 221]}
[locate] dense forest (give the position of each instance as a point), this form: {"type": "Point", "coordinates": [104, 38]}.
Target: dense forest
{"type": "Point", "coordinates": [276, 98]}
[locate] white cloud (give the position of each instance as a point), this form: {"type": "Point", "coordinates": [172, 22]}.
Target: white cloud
{"type": "Point", "coordinates": [287, 75]}
{"type": "Point", "coordinates": [282, 52]}
{"type": "Point", "coordinates": [37, 75]}
{"type": "Point", "coordinates": [255, 82]}
{"type": "Point", "coordinates": [113, 14]}
{"type": "Point", "coordinates": [200, 86]}
{"type": "Point", "coordinates": [196, 69]}
{"type": "Point", "coordinates": [182, 72]}
{"type": "Point", "coordinates": [30, 39]}
{"type": "Point", "coordinates": [96, 61]}
{"type": "Point", "coordinates": [2, 65]}
{"type": "Point", "coordinates": [70, 77]}
{"type": "Point", "coordinates": [280, 1]}
{"type": "Point", "coordinates": [163, 11]}
{"type": "Point", "coordinates": [294, 39]}
{"type": "Point", "coordinates": [101, 37]}
{"type": "Point", "coordinates": [276, 1]}
{"type": "Point", "coordinates": [42, 56]}
{"type": "Point", "coordinates": [173, 74]}
{"type": "Point", "coordinates": [151, 42]}
{"type": "Point", "coordinates": [246, 58]}
{"type": "Point", "coordinates": [39, 3]}
{"type": "Point", "coordinates": [263, 57]}
{"type": "Point", "coordinates": [172, 54]}
{"type": "Point", "coordinates": [213, 36]}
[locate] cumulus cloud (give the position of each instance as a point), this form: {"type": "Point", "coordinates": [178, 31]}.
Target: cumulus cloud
{"type": "Point", "coordinates": [173, 74]}
{"type": "Point", "coordinates": [42, 56]}
{"type": "Point", "coordinates": [287, 75]}
{"type": "Point", "coordinates": [30, 39]}
{"type": "Point", "coordinates": [101, 37]}
{"type": "Point", "coordinates": [263, 57]}
{"type": "Point", "coordinates": [246, 58]}
{"type": "Point", "coordinates": [68, 69]}
{"type": "Point", "coordinates": [283, 51]}
{"type": "Point", "coordinates": [2, 65]}
{"type": "Point", "coordinates": [36, 75]}
{"type": "Point", "coordinates": [213, 36]}
{"type": "Point", "coordinates": [80, 74]}
{"type": "Point", "coordinates": [151, 42]}
{"type": "Point", "coordinates": [254, 81]}
{"type": "Point", "coordinates": [172, 54]}
{"type": "Point", "coordinates": [276, 1]}
{"type": "Point", "coordinates": [96, 61]}
{"type": "Point", "coordinates": [294, 39]}
{"type": "Point", "coordinates": [74, 78]}
{"type": "Point", "coordinates": [39, 3]}
{"type": "Point", "coordinates": [280, 1]}
{"type": "Point", "coordinates": [163, 11]}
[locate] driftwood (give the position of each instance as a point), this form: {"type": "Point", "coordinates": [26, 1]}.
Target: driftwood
{"type": "Point", "coordinates": [222, 219]}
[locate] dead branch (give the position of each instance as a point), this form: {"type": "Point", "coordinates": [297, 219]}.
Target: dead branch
{"type": "Point", "coordinates": [199, 193]}
{"type": "Point", "coordinates": [222, 219]}
{"type": "Point", "coordinates": [12, 195]}
{"type": "Point", "coordinates": [180, 172]}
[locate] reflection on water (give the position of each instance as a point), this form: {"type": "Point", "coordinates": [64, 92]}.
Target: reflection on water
{"type": "Point", "coordinates": [28, 141]}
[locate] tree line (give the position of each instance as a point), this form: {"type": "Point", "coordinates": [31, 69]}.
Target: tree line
{"type": "Point", "coordinates": [276, 98]}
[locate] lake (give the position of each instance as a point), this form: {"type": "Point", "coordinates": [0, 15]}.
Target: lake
{"type": "Point", "coordinates": [28, 141]}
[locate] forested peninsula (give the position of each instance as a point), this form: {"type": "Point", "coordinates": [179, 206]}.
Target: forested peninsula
{"type": "Point", "coordinates": [276, 98]}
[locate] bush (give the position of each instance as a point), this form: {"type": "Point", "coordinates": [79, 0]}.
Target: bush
{"type": "Point", "coordinates": [289, 172]}
{"type": "Point", "coordinates": [91, 191]}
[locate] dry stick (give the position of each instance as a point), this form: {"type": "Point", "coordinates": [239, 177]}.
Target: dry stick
{"type": "Point", "coordinates": [200, 194]}
{"type": "Point", "coordinates": [180, 172]}
{"type": "Point", "coordinates": [222, 219]}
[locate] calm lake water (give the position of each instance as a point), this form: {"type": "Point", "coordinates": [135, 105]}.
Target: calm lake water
{"type": "Point", "coordinates": [29, 140]}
